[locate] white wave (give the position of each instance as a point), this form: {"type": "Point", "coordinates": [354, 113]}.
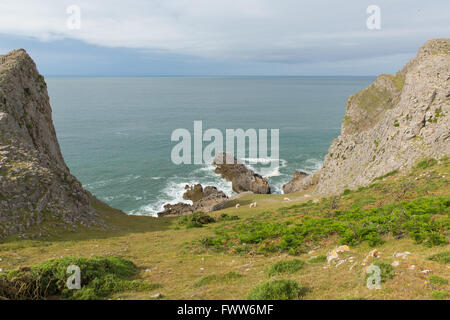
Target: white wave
{"type": "Point", "coordinates": [173, 192]}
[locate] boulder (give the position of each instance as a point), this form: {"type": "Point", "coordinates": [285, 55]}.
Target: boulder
{"type": "Point", "coordinates": [204, 200]}
{"type": "Point", "coordinates": [242, 178]}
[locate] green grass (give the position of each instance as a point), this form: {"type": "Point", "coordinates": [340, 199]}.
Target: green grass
{"type": "Point", "coordinates": [318, 259]}
{"type": "Point", "coordinates": [287, 266]}
{"type": "Point", "coordinates": [443, 257]}
{"type": "Point", "coordinates": [439, 294]}
{"type": "Point", "coordinates": [218, 278]}
{"type": "Point", "coordinates": [389, 174]}
{"type": "Point", "coordinates": [435, 279]}
{"type": "Point", "coordinates": [277, 290]}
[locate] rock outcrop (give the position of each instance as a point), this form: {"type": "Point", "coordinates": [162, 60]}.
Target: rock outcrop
{"type": "Point", "coordinates": [35, 184]}
{"type": "Point", "coordinates": [300, 182]}
{"type": "Point", "coordinates": [242, 178]}
{"type": "Point", "coordinates": [204, 200]}
{"type": "Point", "coordinates": [394, 123]}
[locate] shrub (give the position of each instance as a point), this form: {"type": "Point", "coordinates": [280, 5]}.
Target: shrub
{"type": "Point", "coordinates": [280, 267]}
{"type": "Point", "coordinates": [196, 220]}
{"type": "Point", "coordinates": [100, 277]}
{"type": "Point", "coordinates": [426, 163]}
{"type": "Point", "coordinates": [387, 271]}
{"type": "Point", "coordinates": [226, 217]}
{"type": "Point", "coordinates": [277, 290]}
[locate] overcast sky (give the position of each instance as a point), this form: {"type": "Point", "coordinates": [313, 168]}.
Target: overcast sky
{"type": "Point", "coordinates": [220, 37]}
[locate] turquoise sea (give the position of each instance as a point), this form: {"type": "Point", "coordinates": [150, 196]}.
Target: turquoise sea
{"type": "Point", "coordinates": [115, 133]}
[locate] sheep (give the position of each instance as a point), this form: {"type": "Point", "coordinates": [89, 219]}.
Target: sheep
{"type": "Point", "coordinates": [287, 199]}
{"type": "Point", "coordinates": [237, 206]}
{"type": "Point", "coordinates": [253, 205]}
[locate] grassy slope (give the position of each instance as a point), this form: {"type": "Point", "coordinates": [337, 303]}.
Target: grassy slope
{"type": "Point", "coordinates": [180, 263]}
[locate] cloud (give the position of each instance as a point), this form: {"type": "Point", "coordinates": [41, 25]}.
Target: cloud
{"type": "Point", "coordinates": [288, 31]}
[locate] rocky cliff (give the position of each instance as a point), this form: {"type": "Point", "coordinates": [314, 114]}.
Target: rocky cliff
{"type": "Point", "coordinates": [35, 183]}
{"type": "Point", "coordinates": [394, 123]}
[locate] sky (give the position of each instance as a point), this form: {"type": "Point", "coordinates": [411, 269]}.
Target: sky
{"type": "Point", "coordinates": [219, 37]}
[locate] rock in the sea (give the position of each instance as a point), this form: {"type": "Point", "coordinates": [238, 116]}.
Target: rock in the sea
{"type": "Point", "coordinates": [242, 178]}
{"type": "Point", "coordinates": [175, 210]}
{"type": "Point", "coordinates": [204, 200]}
{"type": "Point", "coordinates": [35, 183]}
{"type": "Point", "coordinates": [394, 123]}
{"type": "Point", "coordinates": [301, 181]}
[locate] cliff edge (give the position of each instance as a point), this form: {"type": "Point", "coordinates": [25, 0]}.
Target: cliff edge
{"type": "Point", "coordinates": [35, 183]}
{"type": "Point", "coordinates": [394, 123]}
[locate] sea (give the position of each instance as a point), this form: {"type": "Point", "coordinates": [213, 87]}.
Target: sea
{"type": "Point", "coordinates": [115, 133]}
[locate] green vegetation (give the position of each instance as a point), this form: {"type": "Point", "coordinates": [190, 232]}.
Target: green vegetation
{"type": "Point", "coordinates": [389, 174]}
{"type": "Point", "coordinates": [100, 277]}
{"type": "Point", "coordinates": [443, 257]}
{"type": "Point", "coordinates": [440, 294]}
{"type": "Point", "coordinates": [196, 220]}
{"type": "Point", "coordinates": [277, 290]}
{"type": "Point", "coordinates": [420, 218]}
{"type": "Point", "coordinates": [435, 279]}
{"type": "Point", "coordinates": [218, 278]}
{"type": "Point", "coordinates": [387, 271]}
{"type": "Point", "coordinates": [318, 259]}
{"type": "Point", "coordinates": [288, 266]}
{"type": "Point", "coordinates": [407, 212]}
{"type": "Point", "coordinates": [427, 163]}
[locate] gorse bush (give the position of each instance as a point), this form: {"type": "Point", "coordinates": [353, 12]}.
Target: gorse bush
{"type": "Point", "coordinates": [196, 220]}
{"type": "Point", "coordinates": [277, 290]}
{"type": "Point", "coordinates": [100, 277]}
{"type": "Point", "coordinates": [280, 267]}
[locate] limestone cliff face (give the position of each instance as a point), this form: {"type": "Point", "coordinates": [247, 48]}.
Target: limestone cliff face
{"type": "Point", "coordinates": [35, 183]}
{"type": "Point", "coordinates": [392, 124]}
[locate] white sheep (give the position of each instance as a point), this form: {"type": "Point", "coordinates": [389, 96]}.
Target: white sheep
{"type": "Point", "coordinates": [237, 206]}
{"type": "Point", "coordinates": [253, 205]}
{"type": "Point", "coordinates": [287, 199]}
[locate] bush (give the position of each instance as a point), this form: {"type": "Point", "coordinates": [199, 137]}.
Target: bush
{"type": "Point", "coordinates": [387, 271]}
{"type": "Point", "coordinates": [426, 163]}
{"type": "Point", "coordinates": [100, 277]}
{"type": "Point", "coordinates": [196, 220]}
{"type": "Point", "coordinates": [277, 290]}
{"type": "Point", "coordinates": [226, 217]}
{"type": "Point", "coordinates": [280, 267]}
